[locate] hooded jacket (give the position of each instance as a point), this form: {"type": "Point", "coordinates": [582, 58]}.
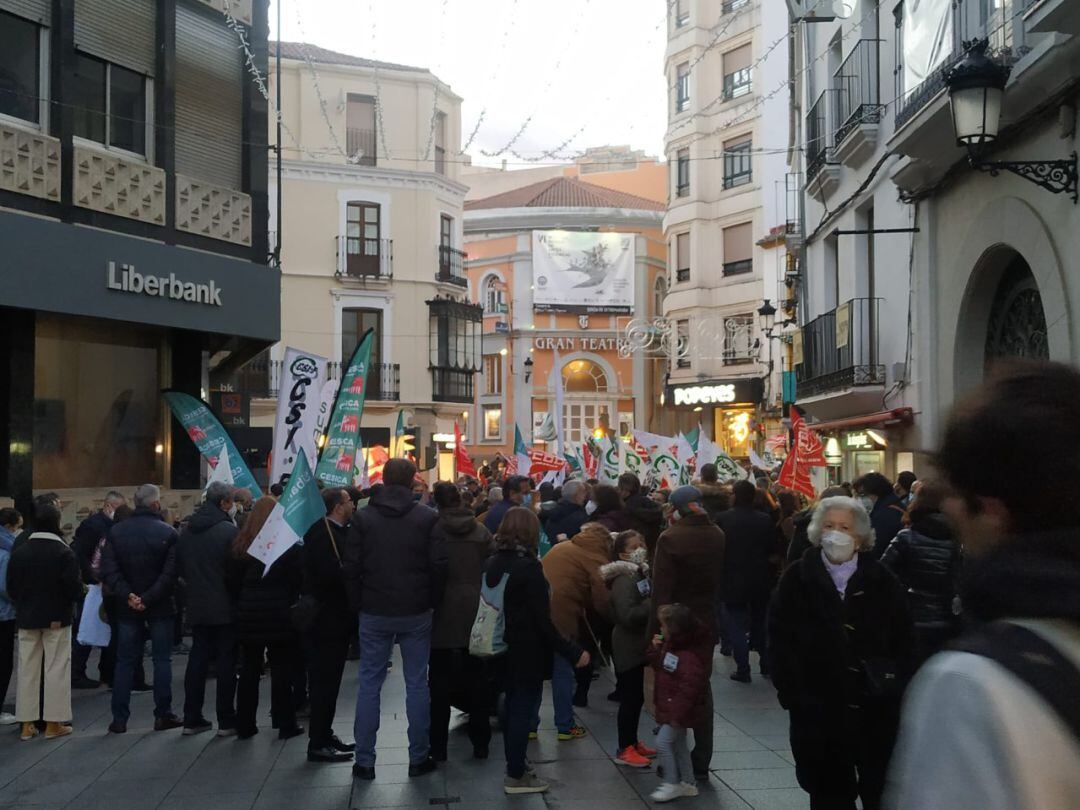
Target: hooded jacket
{"type": "Point", "coordinates": [395, 564]}
{"type": "Point", "coordinates": [681, 680]}
{"type": "Point", "coordinates": [715, 500]}
{"type": "Point", "coordinates": [202, 554]}
{"type": "Point", "coordinates": [43, 582]}
{"type": "Point", "coordinates": [687, 568]}
{"type": "Point", "coordinates": [926, 560]}
{"type": "Point", "coordinates": [468, 546]}
{"type": "Point", "coordinates": [573, 569]}
{"type": "Point", "coordinates": [630, 607]}
{"type": "Point", "coordinates": [975, 736]}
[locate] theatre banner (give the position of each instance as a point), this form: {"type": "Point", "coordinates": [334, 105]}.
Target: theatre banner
{"type": "Point", "coordinates": [583, 272]}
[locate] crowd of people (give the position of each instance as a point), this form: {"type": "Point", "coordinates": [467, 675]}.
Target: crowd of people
{"type": "Point", "coordinates": [921, 634]}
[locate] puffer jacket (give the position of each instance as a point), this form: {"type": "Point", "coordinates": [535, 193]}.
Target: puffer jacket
{"type": "Point", "coordinates": [140, 558]}
{"type": "Point", "coordinates": [926, 559]}
{"type": "Point", "coordinates": [573, 569]}
{"type": "Point", "coordinates": [264, 602]}
{"type": "Point", "coordinates": [630, 608]}
{"type": "Point", "coordinates": [681, 686]}
{"type": "Point", "coordinates": [468, 546]}
{"type": "Point", "coordinates": [715, 500]}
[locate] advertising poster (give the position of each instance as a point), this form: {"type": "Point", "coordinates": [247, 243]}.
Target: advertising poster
{"type": "Point", "coordinates": [583, 272]}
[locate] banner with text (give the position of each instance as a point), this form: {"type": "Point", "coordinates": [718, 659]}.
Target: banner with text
{"type": "Point", "coordinates": [579, 271]}
{"type": "Point", "coordinates": [302, 378]}
{"type": "Point", "coordinates": [300, 506]}
{"type": "Point", "coordinates": [337, 465]}
{"type": "Point", "coordinates": [210, 437]}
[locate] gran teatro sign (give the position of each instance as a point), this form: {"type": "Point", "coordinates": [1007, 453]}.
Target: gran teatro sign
{"type": "Point", "coordinates": [579, 344]}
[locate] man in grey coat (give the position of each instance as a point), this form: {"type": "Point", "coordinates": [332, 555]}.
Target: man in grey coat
{"type": "Point", "coordinates": [202, 552]}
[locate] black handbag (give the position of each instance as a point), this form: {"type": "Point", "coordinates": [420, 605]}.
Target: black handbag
{"type": "Point", "coordinates": [305, 612]}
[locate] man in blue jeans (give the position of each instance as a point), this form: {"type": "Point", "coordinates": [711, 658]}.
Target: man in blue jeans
{"type": "Point", "coordinates": [138, 567]}
{"type": "Point", "coordinates": [395, 572]}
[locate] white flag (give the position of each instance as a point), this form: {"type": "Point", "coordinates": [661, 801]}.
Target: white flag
{"type": "Point", "coordinates": [300, 506]}
{"type": "Point", "coordinates": [300, 386]}
{"type": "Point", "coordinates": [223, 470]}
{"type": "Point", "coordinates": [759, 462]}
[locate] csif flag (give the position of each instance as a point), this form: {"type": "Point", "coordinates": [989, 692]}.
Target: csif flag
{"type": "Point", "coordinates": [210, 437]}
{"type": "Point", "coordinates": [337, 464]}
{"type": "Point", "coordinates": [303, 376]}
{"type": "Point", "coordinates": [300, 507]}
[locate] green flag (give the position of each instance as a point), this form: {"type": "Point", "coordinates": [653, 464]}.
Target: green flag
{"type": "Point", "coordinates": [300, 507]}
{"type": "Point", "coordinates": [210, 437]}
{"type": "Point", "coordinates": [337, 464]}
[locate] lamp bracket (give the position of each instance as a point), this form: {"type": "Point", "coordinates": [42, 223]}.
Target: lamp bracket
{"type": "Point", "coordinates": [1058, 176]}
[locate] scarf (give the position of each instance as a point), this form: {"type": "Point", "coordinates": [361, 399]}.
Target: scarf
{"type": "Point", "coordinates": [840, 573]}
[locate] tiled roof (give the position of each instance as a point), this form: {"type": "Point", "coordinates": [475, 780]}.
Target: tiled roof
{"type": "Point", "coordinates": [564, 192]}
{"type": "Point", "coordinates": [297, 51]}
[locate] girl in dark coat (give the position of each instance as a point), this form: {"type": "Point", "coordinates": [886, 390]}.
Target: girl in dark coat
{"type": "Point", "coordinates": [264, 627]}
{"type": "Point", "coordinates": [840, 647]}
{"type": "Point", "coordinates": [682, 678]}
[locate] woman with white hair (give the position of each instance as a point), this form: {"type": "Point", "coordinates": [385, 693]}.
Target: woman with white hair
{"type": "Point", "coordinates": [840, 646]}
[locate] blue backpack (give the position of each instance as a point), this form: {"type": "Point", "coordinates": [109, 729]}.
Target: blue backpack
{"type": "Point", "coordinates": [488, 636]}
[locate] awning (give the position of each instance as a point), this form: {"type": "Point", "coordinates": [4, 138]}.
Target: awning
{"type": "Point", "coordinates": [897, 417]}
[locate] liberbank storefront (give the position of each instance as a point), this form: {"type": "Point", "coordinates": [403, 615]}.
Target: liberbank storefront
{"type": "Point", "coordinates": [93, 325]}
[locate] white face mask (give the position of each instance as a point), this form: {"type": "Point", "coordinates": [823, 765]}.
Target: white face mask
{"type": "Point", "coordinates": [838, 546]}
{"type": "Point", "coordinates": [590, 507]}
{"type": "Point", "coordinates": [233, 510]}
{"type": "Point", "coordinates": [867, 502]}
{"type": "Point", "coordinates": [639, 556]}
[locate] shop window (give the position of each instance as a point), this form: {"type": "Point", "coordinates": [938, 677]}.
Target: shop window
{"type": "Point", "coordinates": [97, 406]}
{"type": "Point", "coordinates": [20, 68]}
{"type": "Point", "coordinates": [109, 104]}
{"type": "Point", "coordinates": [492, 422]}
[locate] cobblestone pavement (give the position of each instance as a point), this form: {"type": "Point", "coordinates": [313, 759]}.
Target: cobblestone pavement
{"type": "Point", "coordinates": [751, 766]}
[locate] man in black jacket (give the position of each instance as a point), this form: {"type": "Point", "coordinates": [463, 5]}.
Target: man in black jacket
{"type": "Point", "coordinates": [745, 578]}
{"type": "Point", "coordinates": [395, 572]}
{"type": "Point", "coordinates": [643, 512]}
{"type": "Point", "coordinates": [202, 554]}
{"type": "Point", "coordinates": [139, 568]}
{"type": "Point", "coordinates": [564, 519]}
{"type": "Point", "coordinates": [514, 492]}
{"type": "Point", "coordinates": [328, 637]}
{"type": "Point", "coordinates": [89, 537]}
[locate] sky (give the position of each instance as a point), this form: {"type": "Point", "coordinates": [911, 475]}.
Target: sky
{"type": "Point", "coordinates": [585, 71]}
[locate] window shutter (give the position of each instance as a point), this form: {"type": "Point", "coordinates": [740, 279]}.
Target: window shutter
{"type": "Point", "coordinates": [738, 243]}
{"type": "Point", "coordinates": [682, 251]}
{"type": "Point", "coordinates": [209, 98]}
{"type": "Point", "coordinates": [39, 11]}
{"type": "Point", "coordinates": [738, 59]}
{"type": "Point", "coordinates": [120, 31]}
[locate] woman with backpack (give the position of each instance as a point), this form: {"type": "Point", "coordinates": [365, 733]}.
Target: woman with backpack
{"type": "Point", "coordinates": [515, 580]}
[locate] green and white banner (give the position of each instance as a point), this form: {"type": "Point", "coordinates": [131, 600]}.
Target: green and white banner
{"type": "Point", "coordinates": [300, 507]}
{"type": "Point", "coordinates": [727, 468]}
{"type": "Point", "coordinates": [210, 437]}
{"type": "Point", "coordinates": [337, 464]}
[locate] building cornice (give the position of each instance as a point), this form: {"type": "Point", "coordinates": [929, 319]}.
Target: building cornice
{"type": "Point", "coordinates": [527, 219]}
{"type": "Point", "coordinates": [386, 74]}
{"type": "Point", "coordinates": [369, 176]}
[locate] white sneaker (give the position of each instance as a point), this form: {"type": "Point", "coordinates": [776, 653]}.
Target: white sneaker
{"type": "Point", "coordinates": [689, 789]}
{"type": "Point", "coordinates": [667, 792]}
{"type": "Point", "coordinates": [7, 719]}
{"type": "Point", "coordinates": [528, 783]}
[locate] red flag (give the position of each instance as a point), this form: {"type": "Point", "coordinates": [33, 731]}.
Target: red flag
{"type": "Point", "coordinates": [807, 452]}
{"type": "Point", "coordinates": [462, 462]}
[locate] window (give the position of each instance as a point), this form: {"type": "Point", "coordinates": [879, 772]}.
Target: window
{"type": "Point", "coordinates": [737, 162]}
{"type": "Point", "coordinates": [739, 339]}
{"type": "Point", "coordinates": [682, 173]}
{"type": "Point", "coordinates": [738, 249]}
{"type": "Point", "coordinates": [682, 87]}
{"type": "Point", "coordinates": [682, 257]}
{"type": "Point", "coordinates": [363, 244]}
{"type": "Point", "coordinates": [109, 104]}
{"type": "Point", "coordinates": [737, 73]}
{"type": "Point", "coordinates": [360, 139]}
{"type": "Point", "coordinates": [733, 5]}
{"type": "Point", "coordinates": [584, 377]}
{"type": "Point", "coordinates": [493, 374]}
{"type": "Point", "coordinates": [492, 422]}
{"type": "Point", "coordinates": [682, 344]}
{"type": "Point", "coordinates": [440, 143]}
{"type": "Point", "coordinates": [659, 293]}
{"type": "Point", "coordinates": [682, 13]}
{"type": "Point", "coordinates": [494, 295]}
{"type": "Point", "coordinates": [354, 322]}
{"type": "Point", "coordinates": [20, 68]}
{"type": "Point", "coordinates": [454, 330]}
{"type": "Point", "coordinates": [446, 231]}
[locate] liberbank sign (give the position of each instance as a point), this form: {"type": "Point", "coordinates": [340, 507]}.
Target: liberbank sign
{"type": "Point", "coordinates": [126, 278]}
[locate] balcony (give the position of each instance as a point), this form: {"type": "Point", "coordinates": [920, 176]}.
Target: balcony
{"type": "Point", "coordinates": [730, 6]}
{"type": "Point", "coordinates": [451, 385]}
{"type": "Point", "coordinates": [857, 109]}
{"type": "Point", "coordinates": [360, 145]}
{"type": "Point", "coordinates": [822, 174]}
{"type": "Point", "coordinates": [452, 266]}
{"type": "Point", "coordinates": [840, 352]}
{"type": "Point", "coordinates": [364, 259]}
{"type": "Point", "coordinates": [1048, 16]}
{"type": "Point", "coordinates": [260, 378]}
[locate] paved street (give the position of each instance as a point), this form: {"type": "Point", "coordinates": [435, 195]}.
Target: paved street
{"type": "Point", "coordinates": [142, 769]}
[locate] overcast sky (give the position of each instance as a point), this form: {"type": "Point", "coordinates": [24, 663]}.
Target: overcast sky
{"type": "Point", "coordinates": [570, 64]}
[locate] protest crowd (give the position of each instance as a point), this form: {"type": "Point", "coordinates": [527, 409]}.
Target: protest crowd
{"type": "Point", "coordinates": [921, 634]}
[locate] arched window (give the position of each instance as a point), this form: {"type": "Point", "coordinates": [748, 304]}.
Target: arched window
{"type": "Point", "coordinates": [659, 292]}
{"type": "Point", "coordinates": [584, 377]}
{"type": "Point", "coordinates": [494, 295]}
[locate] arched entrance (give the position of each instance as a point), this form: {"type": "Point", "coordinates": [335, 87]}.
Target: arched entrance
{"type": "Point", "coordinates": [587, 402]}
{"type": "Point", "coordinates": [1017, 323]}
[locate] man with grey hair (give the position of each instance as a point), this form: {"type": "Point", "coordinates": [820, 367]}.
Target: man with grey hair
{"type": "Point", "coordinates": [202, 554]}
{"type": "Point", "coordinates": [88, 544]}
{"type": "Point", "coordinates": [139, 568]}
{"type": "Point", "coordinates": [564, 520]}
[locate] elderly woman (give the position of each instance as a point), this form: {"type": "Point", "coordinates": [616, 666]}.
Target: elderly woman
{"type": "Point", "coordinates": [840, 645]}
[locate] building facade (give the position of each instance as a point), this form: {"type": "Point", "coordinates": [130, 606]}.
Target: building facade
{"type": "Point", "coordinates": [563, 268]}
{"type": "Point", "coordinates": [731, 209]}
{"type": "Point", "coordinates": [371, 237]}
{"type": "Point", "coordinates": [133, 236]}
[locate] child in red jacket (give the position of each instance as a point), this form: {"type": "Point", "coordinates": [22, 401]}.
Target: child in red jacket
{"type": "Point", "coordinates": [681, 681]}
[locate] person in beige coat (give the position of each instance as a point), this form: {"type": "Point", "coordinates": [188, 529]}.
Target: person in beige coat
{"type": "Point", "coordinates": [577, 588]}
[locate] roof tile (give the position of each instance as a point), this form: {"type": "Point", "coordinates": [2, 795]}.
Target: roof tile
{"type": "Point", "coordinates": [564, 192]}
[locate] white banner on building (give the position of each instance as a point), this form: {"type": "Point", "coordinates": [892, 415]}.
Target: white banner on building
{"type": "Point", "coordinates": [303, 376]}
{"type": "Point", "coordinates": [576, 271]}
{"type": "Point", "coordinates": [927, 37]}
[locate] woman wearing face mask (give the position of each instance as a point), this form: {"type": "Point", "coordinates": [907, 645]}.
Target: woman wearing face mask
{"type": "Point", "coordinates": [628, 580]}
{"type": "Point", "coordinates": [840, 642]}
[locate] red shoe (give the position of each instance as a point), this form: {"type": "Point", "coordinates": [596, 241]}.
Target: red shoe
{"type": "Point", "coordinates": [631, 758]}
{"type": "Point", "coordinates": [644, 750]}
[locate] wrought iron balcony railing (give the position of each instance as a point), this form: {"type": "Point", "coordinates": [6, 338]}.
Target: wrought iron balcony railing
{"type": "Point", "coordinates": [452, 266]}
{"type": "Point", "coordinates": [840, 350]}
{"type": "Point", "coordinates": [856, 83]}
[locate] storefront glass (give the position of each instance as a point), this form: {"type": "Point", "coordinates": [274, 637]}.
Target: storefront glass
{"type": "Point", "coordinates": [97, 408]}
{"type": "Point", "coordinates": [732, 428]}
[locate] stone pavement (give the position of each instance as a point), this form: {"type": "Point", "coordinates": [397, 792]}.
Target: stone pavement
{"type": "Point", "coordinates": [751, 767]}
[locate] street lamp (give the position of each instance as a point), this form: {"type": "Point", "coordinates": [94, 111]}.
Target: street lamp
{"type": "Point", "coordinates": [528, 368]}
{"type": "Point", "coordinates": [767, 313]}
{"type": "Point", "coordinates": [976, 95]}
